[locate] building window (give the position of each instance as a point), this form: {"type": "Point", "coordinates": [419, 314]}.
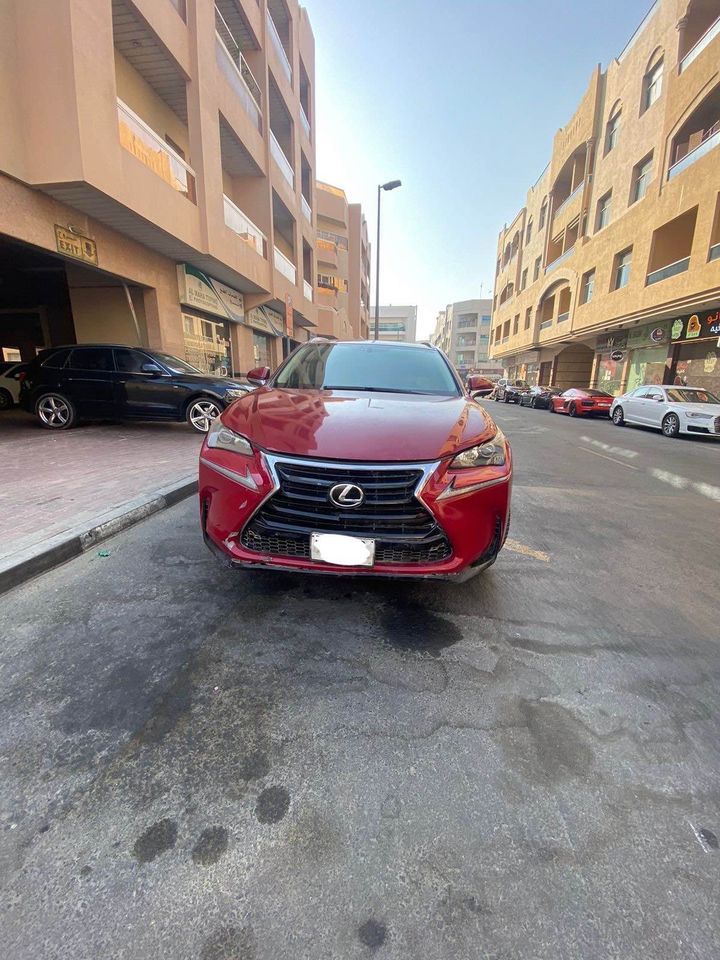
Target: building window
{"type": "Point", "coordinates": [498, 266]}
{"type": "Point", "coordinates": [652, 85]}
{"type": "Point", "coordinates": [603, 211]}
{"type": "Point", "coordinates": [523, 279]}
{"type": "Point", "coordinates": [528, 231]}
{"type": "Point", "coordinates": [516, 324]}
{"type": "Point", "coordinates": [506, 330]}
{"type": "Point", "coordinates": [528, 318]}
{"type": "Point", "coordinates": [612, 132]}
{"type": "Point", "coordinates": [536, 271]}
{"type": "Point", "coordinates": [642, 173]}
{"type": "Point", "coordinates": [588, 287]}
{"type": "Point", "coordinates": [543, 215]}
{"type": "Point", "coordinates": [485, 320]}
{"type": "Point", "coordinates": [622, 268]}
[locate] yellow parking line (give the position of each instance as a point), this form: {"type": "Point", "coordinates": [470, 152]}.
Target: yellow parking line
{"type": "Point", "coordinates": [526, 551]}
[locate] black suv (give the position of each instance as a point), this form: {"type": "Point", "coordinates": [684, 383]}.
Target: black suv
{"type": "Point", "coordinates": [107, 381]}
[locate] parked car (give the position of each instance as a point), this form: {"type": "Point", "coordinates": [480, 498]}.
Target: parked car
{"type": "Point", "coordinates": [674, 410]}
{"type": "Point", "coordinates": [357, 457]}
{"type": "Point", "coordinates": [582, 403]}
{"type": "Point", "coordinates": [10, 384]}
{"type": "Point", "coordinates": [100, 381]}
{"type": "Point", "coordinates": [539, 397]}
{"type": "Point", "coordinates": [510, 391]}
{"type": "Point", "coordinates": [478, 386]}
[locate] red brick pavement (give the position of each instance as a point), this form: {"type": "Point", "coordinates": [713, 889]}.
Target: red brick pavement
{"type": "Point", "coordinates": [51, 482]}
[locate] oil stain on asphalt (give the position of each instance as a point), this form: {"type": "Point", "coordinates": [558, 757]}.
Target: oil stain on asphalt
{"type": "Point", "coordinates": [372, 933]}
{"type": "Point", "coordinates": [414, 628]}
{"type": "Point", "coordinates": [157, 839]}
{"type": "Point", "coordinates": [229, 943]}
{"type": "Point", "coordinates": [272, 805]}
{"type": "Point", "coordinates": [211, 845]}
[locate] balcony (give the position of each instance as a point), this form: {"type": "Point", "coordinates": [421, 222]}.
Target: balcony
{"type": "Point", "coordinates": [567, 200]}
{"type": "Point", "coordinates": [150, 149]}
{"type": "Point", "coordinates": [711, 139]}
{"type": "Point", "coordinates": [244, 227]}
{"type": "Point", "coordinates": [304, 121]}
{"type": "Point", "coordinates": [714, 252]}
{"type": "Point", "coordinates": [281, 160]}
{"type": "Point", "coordinates": [286, 267]}
{"type": "Point", "coordinates": [703, 42]}
{"type": "Point", "coordinates": [556, 263]}
{"type": "Point", "coordinates": [308, 290]}
{"type": "Point", "coordinates": [671, 270]}
{"type": "Point", "coordinates": [306, 209]}
{"type": "Point", "coordinates": [241, 77]}
{"type": "Point", "coordinates": [279, 48]}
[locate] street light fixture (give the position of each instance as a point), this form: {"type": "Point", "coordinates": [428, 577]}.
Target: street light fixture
{"type": "Point", "coordinates": [390, 185]}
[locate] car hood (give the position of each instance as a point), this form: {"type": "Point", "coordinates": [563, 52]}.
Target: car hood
{"type": "Point", "coordinates": [374, 427]}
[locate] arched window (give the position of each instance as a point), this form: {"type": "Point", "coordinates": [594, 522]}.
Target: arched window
{"type": "Point", "coordinates": [652, 82]}
{"type": "Point", "coordinates": [612, 129]}
{"type": "Point", "coordinates": [528, 231]}
{"type": "Point", "coordinates": [543, 214]}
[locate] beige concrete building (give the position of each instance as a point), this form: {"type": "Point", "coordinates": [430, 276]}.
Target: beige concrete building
{"type": "Point", "coordinates": [343, 264]}
{"type": "Point", "coordinates": [396, 324]}
{"type": "Point", "coordinates": [462, 331]}
{"type": "Point", "coordinates": [609, 275]}
{"type": "Point", "coordinates": [157, 176]}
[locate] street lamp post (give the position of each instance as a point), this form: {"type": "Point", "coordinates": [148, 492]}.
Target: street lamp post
{"type": "Point", "coordinates": [390, 185]}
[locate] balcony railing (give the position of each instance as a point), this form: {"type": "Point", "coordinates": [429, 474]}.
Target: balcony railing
{"type": "Point", "coordinates": [306, 209]}
{"type": "Point", "coordinates": [286, 267]}
{"type": "Point", "coordinates": [671, 270]}
{"type": "Point", "coordinates": [282, 161]}
{"type": "Point", "coordinates": [308, 290]}
{"type": "Point", "coordinates": [556, 263]}
{"type": "Point", "coordinates": [279, 48]}
{"type": "Point", "coordinates": [304, 121]}
{"type": "Point", "coordinates": [714, 252]}
{"type": "Point", "coordinates": [562, 317]}
{"type": "Point", "coordinates": [250, 86]}
{"type": "Point", "coordinates": [150, 149]}
{"type": "Point", "coordinates": [703, 42]}
{"type": "Point", "coordinates": [244, 227]}
{"type": "Point", "coordinates": [710, 140]}
{"type": "Point", "coordinates": [567, 200]}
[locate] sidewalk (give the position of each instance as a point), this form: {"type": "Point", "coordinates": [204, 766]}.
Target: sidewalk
{"type": "Point", "coordinates": [56, 486]}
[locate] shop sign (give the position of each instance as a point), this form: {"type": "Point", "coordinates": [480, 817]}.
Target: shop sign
{"type": "Point", "coordinates": [612, 341]}
{"type": "Point", "coordinates": [699, 326]}
{"type": "Point", "coordinates": [646, 336]}
{"type": "Point", "coordinates": [75, 245]}
{"type": "Point", "coordinates": [200, 291]}
{"type": "Point", "coordinates": [266, 320]}
{"type": "Point", "coordinates": [617, 356]}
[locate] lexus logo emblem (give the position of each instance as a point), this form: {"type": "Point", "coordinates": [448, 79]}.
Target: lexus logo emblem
{"type": "Point", "coordinates": [347, 495]}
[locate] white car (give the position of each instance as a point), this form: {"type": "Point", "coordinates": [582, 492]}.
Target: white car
{"type": "Point", "coordinates": [674, 410]}
{"type": "Point", "coordinates": [10, 385]}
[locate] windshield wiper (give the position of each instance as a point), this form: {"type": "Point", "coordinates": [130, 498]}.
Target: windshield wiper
{"type": "Point", "coordinates": [419, 393]}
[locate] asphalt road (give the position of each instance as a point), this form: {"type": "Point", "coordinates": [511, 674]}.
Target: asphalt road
{"type": "Point", "coordinates": [196, 763]}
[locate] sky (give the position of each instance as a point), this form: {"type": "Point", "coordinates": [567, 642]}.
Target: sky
{"type": "Point", "coordinates": [460, 100]}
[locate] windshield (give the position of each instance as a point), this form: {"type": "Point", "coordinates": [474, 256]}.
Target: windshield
{"type": "Point", "coordinates": [176, 365]}
{"type": "Point", "coordinates": [692, 396]}
{"type": "Point", "coordinates": [384, 368]}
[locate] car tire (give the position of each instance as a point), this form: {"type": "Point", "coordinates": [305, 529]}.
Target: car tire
{"type": "Point", "coordinates": [572, 410]}
{"type": "Point", "coordinates": [506, 399]}
{"type": "Point", "coordinates": [618, 417]}
{"type": "Point", "coordinates": [6, 400]}
{"type": "Point", "coordinates": [496, 398]}
{"type": "Point", "coordinates": [55, 411]}
{"type": "Point", "coordinates": [533, 403]}
{"type": "Point", "coordinates": [201, 412]}
{"type": "Point", "coordinates": [671, 425]}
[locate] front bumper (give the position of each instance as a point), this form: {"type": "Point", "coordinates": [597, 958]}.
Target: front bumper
{"type": "Point", "coordinates": [474, 521]}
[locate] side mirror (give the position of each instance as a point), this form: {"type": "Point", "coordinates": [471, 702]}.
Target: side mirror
{"type": "Point", "coordinates": [659, 399]}
{"type": "Point", "coordinates": [259, 376]}
{"type": "Point", "coordinates": [152, 368]}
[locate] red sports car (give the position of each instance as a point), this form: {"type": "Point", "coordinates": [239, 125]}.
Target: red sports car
{"type": "Point", "coordinates": [359, 458]}
{"type": "Point", "coordinates": [582, 403]}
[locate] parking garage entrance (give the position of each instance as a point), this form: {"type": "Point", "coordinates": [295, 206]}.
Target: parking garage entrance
{"type": "Point", "coordinates": [47, 300]}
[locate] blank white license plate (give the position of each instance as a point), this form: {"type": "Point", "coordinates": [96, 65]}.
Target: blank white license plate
{"type": "Point", "coordinates": [341, 550]}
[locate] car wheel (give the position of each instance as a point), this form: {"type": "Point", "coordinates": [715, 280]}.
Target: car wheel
{"type": "Point", "coordinates": [618, 417]}
{"type": "Point", "coordinates": [572, 410]}
{"type": "Point", "coordinates": [55, 411]}
{"type": "Point", "coordinates": [6, 400]}
{"type": "Point", "coordinates": [533, 403]}
{"type": "Point", "coordinates": [201, 413]}
{"type": "Point", "coordinates": [506, 398]}
{"type": "Point", "coordinates": [671, 425]}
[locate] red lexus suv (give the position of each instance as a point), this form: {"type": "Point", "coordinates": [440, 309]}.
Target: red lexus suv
{"type": "Point", "coordinates": [357, 458]}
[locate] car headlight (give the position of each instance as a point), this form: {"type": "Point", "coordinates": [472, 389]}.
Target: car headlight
{"type": "Point", "coordinates": [221, 437]}
{"type": "Point", "coordinates": [235, 393]}
{"type": "Point", "coordinates": [490, 454]}
{"type": "Point", "coordinates": [692, 414]}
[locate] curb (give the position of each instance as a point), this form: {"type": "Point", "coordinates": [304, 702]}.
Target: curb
{"type": "Point", "coordinates": [72, 543]}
